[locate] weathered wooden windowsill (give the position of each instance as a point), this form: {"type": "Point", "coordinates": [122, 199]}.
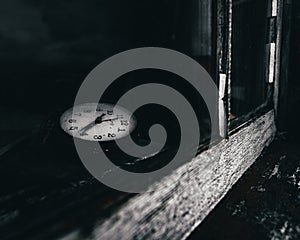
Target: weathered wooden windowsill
{"type": "Point", "coordinates": [191, 191]}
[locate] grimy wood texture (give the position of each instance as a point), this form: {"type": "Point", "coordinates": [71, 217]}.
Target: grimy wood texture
{"type": "Point", "coordinates": [187, 196]}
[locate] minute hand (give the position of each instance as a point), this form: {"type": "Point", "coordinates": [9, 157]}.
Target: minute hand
{"type": "Point", "coordinates": [92, 124]}
{"type": "Point", "coordinates": [87, 127]}
{"type": "Point", "coordinates": [111, 119]}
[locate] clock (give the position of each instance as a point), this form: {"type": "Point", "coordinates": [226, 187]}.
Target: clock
{"type": "Point", "coordinates": [98, 122]}
{"type": "Point", "coordinates": [104, 123]}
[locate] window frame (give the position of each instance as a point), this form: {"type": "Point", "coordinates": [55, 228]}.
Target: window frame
{"type": "Point", "coordinates": [227, 125]}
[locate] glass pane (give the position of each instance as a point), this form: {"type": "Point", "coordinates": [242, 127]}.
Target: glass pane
{"type": "Point", "coordinates": [249, 86]}
{"type": "Point", "coordinates": [48, 47]}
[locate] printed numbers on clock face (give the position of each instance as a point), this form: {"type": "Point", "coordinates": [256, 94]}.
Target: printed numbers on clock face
{"type": "Point", "coordinates": [98, 122]}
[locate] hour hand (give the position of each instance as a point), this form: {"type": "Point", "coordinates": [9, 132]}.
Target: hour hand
{"type": "Point", "coordinates": [98, 120]}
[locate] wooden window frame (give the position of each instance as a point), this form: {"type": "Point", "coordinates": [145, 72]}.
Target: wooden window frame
{"type": "Point", "coordinates": [194, 189]}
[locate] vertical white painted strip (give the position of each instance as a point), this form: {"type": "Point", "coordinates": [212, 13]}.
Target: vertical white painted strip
{"type": "Point", "coordinates": [222, 113]}
{"type": "Point", "coordinates": [274, 8]}
{"type": "Point", "coordinates": [272, 62]}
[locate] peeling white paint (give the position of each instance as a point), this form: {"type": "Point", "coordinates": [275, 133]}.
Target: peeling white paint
{"type": "Point", "coordinates": [222, 112]}
{"type": "Point", "coordinates": [272, 62]}
{"type": "Point", "coordinates": [274, 8]}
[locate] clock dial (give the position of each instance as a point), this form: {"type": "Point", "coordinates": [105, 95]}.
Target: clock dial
{"type": "Point", "coordinates": [109, 122]}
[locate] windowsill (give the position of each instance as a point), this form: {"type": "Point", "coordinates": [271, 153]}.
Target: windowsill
{"type": "Point", "coordinates": [185, 197]}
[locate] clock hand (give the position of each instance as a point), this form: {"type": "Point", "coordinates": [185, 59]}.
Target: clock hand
{"type": "Point", "coordinates": [98, 120]}
{"type": "Point", "coordinates": [87, 127]}
{"type": "Point", "coordinates": [111, 119]}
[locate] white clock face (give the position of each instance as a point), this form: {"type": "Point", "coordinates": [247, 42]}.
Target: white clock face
{"type": "Point", "coordinates": [109, 122]}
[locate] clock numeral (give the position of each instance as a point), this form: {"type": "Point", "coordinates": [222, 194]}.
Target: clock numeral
{"type": "Point", "coordinates": [99, 109]}
{"type": "Point", "coordinates": [124, 122]}
{"type": "Point", "coordinates": [121, 130]}
{"type": "Point", "coordinates": [112, 135]}
{"type": "Point", "coordinates": [73, 128]}
{"type": "Point", "coordinates": [110, 112]}
{"type": "Point", "coordinates": [72, 121]}
{"type": "Point", "coordinates": [98, 137]}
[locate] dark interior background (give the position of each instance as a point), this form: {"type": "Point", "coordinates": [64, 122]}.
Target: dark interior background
{"type": "Point", "coordinates": [249, 38]}
{"type": "Point", "coordinates": [289, 105]}
{"type": "Point", "coordinates": [48, 47]}
{"type": "Point", "coordinates": [293, 114]}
